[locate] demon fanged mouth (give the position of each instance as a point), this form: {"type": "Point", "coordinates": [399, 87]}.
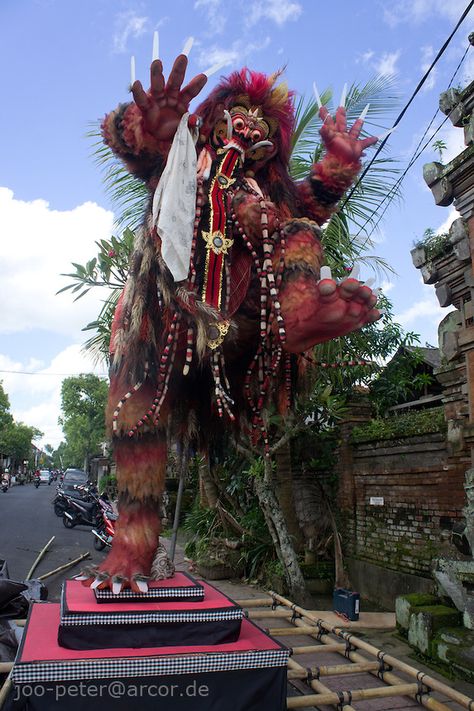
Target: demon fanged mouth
{"type": "Point", "coordinates": [244, 129]}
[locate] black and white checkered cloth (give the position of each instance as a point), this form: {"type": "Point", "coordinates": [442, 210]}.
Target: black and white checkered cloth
{"type": "Point", "coordinates": [178, 593]}
{"type": "Point", "coordinates": [145, 618]}
{"type": "Point", "coordinates": [56, 671]}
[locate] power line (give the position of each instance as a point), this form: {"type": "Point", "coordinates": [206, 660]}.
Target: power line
{"type": "Point", "coordinates": [62, 375]}
{"type": "Point", "coordinates": [415, 155]}
{"type": "Point", "coordinates": [407, 105]}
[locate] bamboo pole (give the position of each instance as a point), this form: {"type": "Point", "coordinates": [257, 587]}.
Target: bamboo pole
{"type": "Point", "coordinates": [6, 667]}
{"type": "Point", "coordinates": [261, 614]}
{"type": "Point", "coordinates": [311, 648]}
{"type": "Point", "coordinates": [314, 684]}
{"type": "Point", "coordinates": [64, 567]}
{"type": "Point", "coordinates": [334, 670]}
{"type": "Point", "coordinates": [39, 557]}
{"type": "Point", "coordinates": [290, 631]}
{"type": "Point", "coordinates": [331, 697]}
{"type": "Point", "coordinates": [255, 602]}
{"type": "Point", "coordinates": [397, 664]}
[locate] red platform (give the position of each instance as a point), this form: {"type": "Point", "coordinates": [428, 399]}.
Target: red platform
{"type": "Point", "coordinates": [246, 675]}
{"type": "Point", "coordinates": [86, 625]}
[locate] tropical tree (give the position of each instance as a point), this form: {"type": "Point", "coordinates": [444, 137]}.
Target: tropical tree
{"type": "Point", "coordinates": [83, 399]}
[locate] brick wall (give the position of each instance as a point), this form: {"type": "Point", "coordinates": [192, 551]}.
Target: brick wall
{"type": "Point", "coordinates": [422, 491]}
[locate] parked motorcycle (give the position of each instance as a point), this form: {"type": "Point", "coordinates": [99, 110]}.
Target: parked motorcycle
{"type": "Point", "coordinates": [37, 482]}
{"type": "Point", "coordinates": [5, 484]}
{"type": "Point", "coordinates": [84, 512]}
{"type": "Point", "coordinates": [105, 530]}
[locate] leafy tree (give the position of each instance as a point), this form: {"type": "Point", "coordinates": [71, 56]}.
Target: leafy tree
{"type": "Point", "coordinates": [83, 399]}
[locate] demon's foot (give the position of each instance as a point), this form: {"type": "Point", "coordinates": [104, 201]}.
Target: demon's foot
{"type": "Point", "coordinates": [128, 565]}
{"type": "Point", "coordinates": [315, 312]}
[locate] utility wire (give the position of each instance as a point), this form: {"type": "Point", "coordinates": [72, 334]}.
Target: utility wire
{"type": "Point", "coordinates": [62, 375]}
{"type": "Point", "coordinates": [415, 155]}
{"type": "Point", "coordinates": [415, 92]}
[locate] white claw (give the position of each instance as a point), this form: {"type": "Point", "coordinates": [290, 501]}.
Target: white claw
{"type": "Point", "coordinates": [156, 47]}
{"type": "Point", "coordinates": [343, 96]}
{"type": "Point", "coordinates": [96, 583]}
{"type": "Point", "coordinates": [215, 68]}
{"type": "Point", "coordinates": [384, 135]}
{"type": "Point", "coordinates": [325, 273]}
{"type": "Point", "coordinates": [354, 274]}
{"type": "Point", "coordinates": [117, 587]}
{"type": "Point", "coordinates": [364, 113]}
{"type": "Point", "coordinates": [142, 585]}
{"type": "Point", "coordinates": [81, 577]}
{"type": "Point", "coordinates": [187, 47]}
{"type": "Point", "coordinates": [229, 124]}
{"type": "Point", "coordinates": [316, 95]}
{"type": "Point", "coordinates": [370, 281]}
{"type": "Point", "coordinates": [132, 71]}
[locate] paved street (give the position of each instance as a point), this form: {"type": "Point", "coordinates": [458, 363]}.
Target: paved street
{"type": "Point", "coordinates": [27, 522]}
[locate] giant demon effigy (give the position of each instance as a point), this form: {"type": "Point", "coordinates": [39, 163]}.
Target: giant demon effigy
{"type": "Point", "coordinates": [225, 288]}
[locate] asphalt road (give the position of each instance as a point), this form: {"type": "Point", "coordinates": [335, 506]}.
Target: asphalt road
{"type": "Point", "coordinates": [27, 522]}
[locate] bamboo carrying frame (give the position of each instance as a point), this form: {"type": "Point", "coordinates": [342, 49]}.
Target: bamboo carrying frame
{"type": "Point", "coordinates": [415, 684]}
{"type": "Point", "coordinates": [337, 640]}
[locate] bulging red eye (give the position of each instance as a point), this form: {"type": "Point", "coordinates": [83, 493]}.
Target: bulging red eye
{"type": "Point", "coordinates": [256, 135]}
{"type": "Point", "coordinates": [238, 124]}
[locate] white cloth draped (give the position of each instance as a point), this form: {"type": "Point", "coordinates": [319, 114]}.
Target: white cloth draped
{"type": "Point", "coordinates": [174, 201]}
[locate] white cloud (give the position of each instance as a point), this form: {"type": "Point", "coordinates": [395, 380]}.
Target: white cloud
{"type": "Point", "coordinates": [365, 57]}
{"type": "Point", "coordinates": [427, 54]}
{"type": "Point", "coordinates": [444, 226]}
{"type": "Point", "coordinates": [279, 11]}
{"type": "Point", "coordinates": [37, 245]}
{"type": "Point", "coordinates": [128, 24]}
{"type": "Point", "coordinates": [387, 63]}
{"type": "Point", "coordinates": [418, 11]}
{"type": "Point", "coordinates": [424, 315]}
{"type": "Point", "coordinates": [36, 399]}
{"type": "Point", "coordinates": [387, 286]}
{"type": "Point", "coordinates": [215, 15]}
{"type": "Point", "coordinates": [237, 53]}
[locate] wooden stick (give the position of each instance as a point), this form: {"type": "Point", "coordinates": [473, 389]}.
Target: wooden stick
{"type": "Point", "coordinates": [41, 554]}
{"type": "Point", "coordinates": [6, 667]}
{"type": "Point", "coordinates": [64, 567]}
{"type": "Point", "coordinates": [4, 691]}
{"type": "Point", "coordinates": [434, 684]}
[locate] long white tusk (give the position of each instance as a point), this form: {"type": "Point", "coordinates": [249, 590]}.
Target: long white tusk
{"type": "Point", "coordinates": [187, 47]}
{"type": "Point", "coordinates": [384, 135]}
{"type": "Point", "coordinates": [364, 113]}
{"type": "Point", "coordinates": [369, 282]}
{"type": "Point", "coordinates": [260, 144]}
{"type": "Point", "coordinates": [316, 95]}
{"type": "Point", "coordinates": [229, 124]}
{"type": "Point", "coordinates": [325, 273]}
{"type": "Point", "coordinates": [156, 46]}
{"type": "Point", "coordinates": [215, 68]}
{"type": "Point", "coordinates": [343, 96]}
{"type": "Point", "coordinates": [132, 70]}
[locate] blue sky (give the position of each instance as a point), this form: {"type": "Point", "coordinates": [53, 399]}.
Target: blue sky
{"type": "Point", "coordinates": [65, 64]}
